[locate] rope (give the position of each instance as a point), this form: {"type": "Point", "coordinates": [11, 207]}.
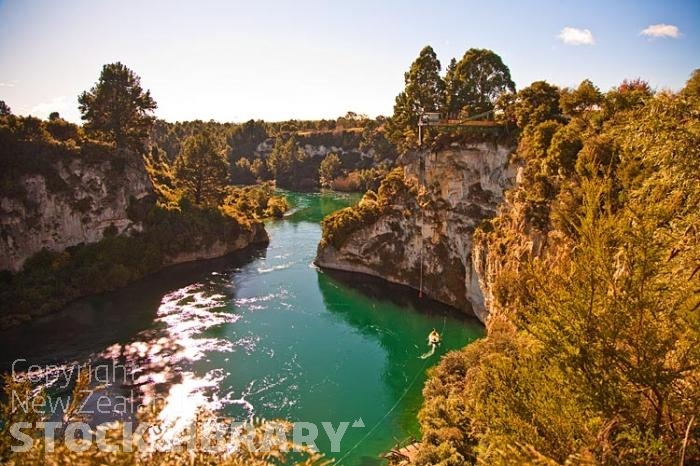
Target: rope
{"type": "Point", "coordinates": [420, 286]}
{"type": "Point", "coordinates": [385, 415]}
{"type": "Point", "coordinates": [474, 117]}
{"type": "Point", "coordinates": [371, 431]}
{"type": "Point", "coordinates": [422, 167]}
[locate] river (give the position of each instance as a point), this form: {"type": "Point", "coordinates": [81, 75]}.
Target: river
{"type": "Point", "coordinates": [261, 333]}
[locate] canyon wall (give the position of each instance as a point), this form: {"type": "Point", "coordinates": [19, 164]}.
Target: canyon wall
{"type": "Point", "coordinates": [456, 189]}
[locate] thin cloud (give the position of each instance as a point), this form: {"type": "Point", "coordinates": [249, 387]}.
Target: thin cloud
{"type": "Point", "coordinates": [661, 30]}
{"type": "Point", "coordinates": [10, 84]}
{"type": "Point", "coordinates": [43, 109]}
{"type": "Point", "coordinates": [575, 36]}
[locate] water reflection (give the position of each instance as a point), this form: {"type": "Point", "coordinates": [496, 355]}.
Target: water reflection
{"type": "Point", "coordinates": [384, 303]}
{"type": "Point", "coordinates": [313, 207]}
{"type": "Point", "coordinates": [138, 358]}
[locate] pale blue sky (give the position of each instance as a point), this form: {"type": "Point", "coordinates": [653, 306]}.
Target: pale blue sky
{"type": "Point", "coordinates": [232, 61]}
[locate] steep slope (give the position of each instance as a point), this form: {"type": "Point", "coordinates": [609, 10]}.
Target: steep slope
{"type": "Point", "coordinates": [590, 273]}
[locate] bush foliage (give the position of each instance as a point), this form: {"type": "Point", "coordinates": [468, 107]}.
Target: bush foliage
{"type": "Point", "coordinates": [263, 443]}
{"type": "Point", "coordinates": [593, 348]}
{"type": "Point", "coordinates": [338, 226]}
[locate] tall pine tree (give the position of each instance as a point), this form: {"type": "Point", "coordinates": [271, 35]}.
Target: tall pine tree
{"type": "Point", "coordinates": [424, 92]}
{"type": "Point", "coordinates": [201, 170]}
{"type": "Point", "coordinates": [117, 109]}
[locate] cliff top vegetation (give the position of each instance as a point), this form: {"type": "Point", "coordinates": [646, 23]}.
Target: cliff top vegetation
{"type": "Point", "coordinates": [592, 351]}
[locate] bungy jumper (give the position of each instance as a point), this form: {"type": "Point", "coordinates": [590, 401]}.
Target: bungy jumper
{"type": "Point", "coordinates": [434, 338]}
{"type": "Point", "coordinates": [433, 342]}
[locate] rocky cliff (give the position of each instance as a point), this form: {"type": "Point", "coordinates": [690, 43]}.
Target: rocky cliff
{"type": "Point", "coordinates": [509, 244]}
{"type": "Point", "coordinates": [73, 201]}
{"type": "Point", "coordinates": [453, 190]}
{"type": "Point", "coordinates": [76, 199]}
{"type": "Point", "coordinates": [318, 149]}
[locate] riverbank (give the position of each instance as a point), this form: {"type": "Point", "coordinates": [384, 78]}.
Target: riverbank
{"type": "Point", "coordinates": [264, 334]}
{"type": "Point", "coordinates": [51, 280]}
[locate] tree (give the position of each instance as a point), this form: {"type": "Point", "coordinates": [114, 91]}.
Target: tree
{"type": "Point", "coordinates": [54, 116]}
{"type": "Point", "coordinates": [287, 162]}
{"type": "Point", "coordinates": [584, 98]}
{"type": "Point", "coordinates": [424, 92]}
{"type": "Point", "coordinates": [4, 109]}
{"type": "Point", "coordinates": [329, 169]}
{"type": "Point", "coordinates": [424, 86]}
{"type": "Point", "coordinates": [692, 86]}
{"type": "Point", "coordinates": [116, 109]}
{"type": "Point", "coordinates": [244, 139]}
{"type": "Point", "coordinates": [593, 347]}
{"type": "Point", "coordinates": [375, 140]}
{"type": "Point", "coordinates": [504, 108]}
{"type": "Point", "coordinates": [450, 84]}
{"type": "Point", "coordinates": [62, 130]}
{"type": "Point", "coordinates": [563, 150]}
{"type": "Point", "coordinates": [536, 139]}
{"type": "Point", "coordinates": [242, 172]}
{"type": "Point", "coordinates": [536, 104]}
{"type": "Point", "coordinates": [260, 170]}
{"type": "Point", "coordinates": [630, 94]}
{"type": "Point", "coordinates": [476, 82]}
{"type": "Point", "coordinates": [201, 170]}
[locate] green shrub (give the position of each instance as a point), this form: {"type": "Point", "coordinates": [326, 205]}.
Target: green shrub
{"type": "Point", "coordinates": [394, 189]}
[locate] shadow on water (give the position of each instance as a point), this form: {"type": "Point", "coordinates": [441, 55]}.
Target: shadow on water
{"type": "Point", "coordinates": [91, 324]}
{"type": "Point", "coordinates": [399, 295]}
{"type": "Point", "coordinates": [388, 303]}
{"type": "Point", "coordinates": [394, 316]}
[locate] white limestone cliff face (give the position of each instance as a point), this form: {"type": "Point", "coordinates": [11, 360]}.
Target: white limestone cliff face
{"type": "Point", "coordinates": [315, 150]}
{"type": "Point", "coordinates": [74, 207]}
{"type": "Point", "coordinates": [462, 186]}
{"type": "Point", "coordinates": [517, 241]}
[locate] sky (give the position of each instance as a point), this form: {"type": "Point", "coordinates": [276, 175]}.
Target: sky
{"type": "Point", "coordinates": [306, 59]}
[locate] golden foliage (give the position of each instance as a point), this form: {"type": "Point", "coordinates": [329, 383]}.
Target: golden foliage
{"type": "Point", "coordinates": [593, 347]}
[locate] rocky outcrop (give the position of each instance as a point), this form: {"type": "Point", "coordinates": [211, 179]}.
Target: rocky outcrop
{"type": "Point", "coordinates": [511, 242]}
{"type": "Point", "coordinates": [74, 204]}
{"type": "Point", "coordinates": [255, 235]}
{"type": "Point", "coordinates": [75, 200]}
{"type": "Point", "coordinates": [346, 152]}
{"type": "Point", "coordinates": [78, 222]}
{"type": "Point", "coordinates": [458, 187]}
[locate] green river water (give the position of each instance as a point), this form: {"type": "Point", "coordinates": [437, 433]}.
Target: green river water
{"type": "Point", "coordinates": [263, 333]}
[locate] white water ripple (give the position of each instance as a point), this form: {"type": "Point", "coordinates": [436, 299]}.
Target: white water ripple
{"type": "Point", "coordinates": [190, 311]}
